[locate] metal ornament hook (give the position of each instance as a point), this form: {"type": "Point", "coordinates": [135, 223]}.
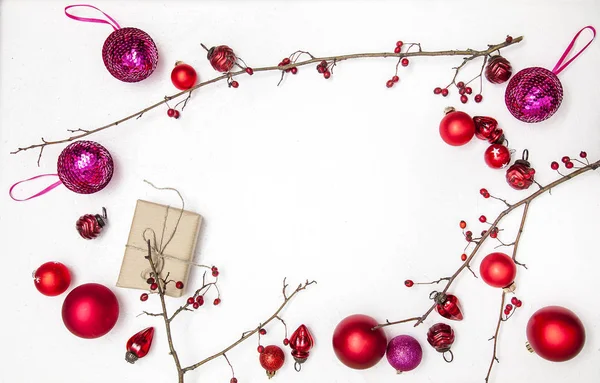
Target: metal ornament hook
{"type": "Point", "coordinates": [104, 214]}
{"type": "Point", "coordinates": [451, 356]}
{"type": "Point", "coordinates": [433, 294]}
{"type": "Point", "coordinates": [297, 366]}
{"type": "Point", "coordinates": [525, 155]}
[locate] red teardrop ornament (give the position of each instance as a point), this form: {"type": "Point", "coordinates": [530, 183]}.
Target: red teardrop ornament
{"type": "Point", "coordinates": [486, 128]}
{"type": "Point", "coordinates": [447, 305]}
{"type": "Point", "coordinates": [139, 345]}
{"type": "Point", "coordinates": [441, 337]}
{"type": "Point", "coordinates": [301, 342]}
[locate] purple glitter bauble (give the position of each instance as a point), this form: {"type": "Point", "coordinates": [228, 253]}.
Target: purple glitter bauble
{"type": "Point", "coordinates": [85, 167]}
{"type": "Point", "coordinates": [533, 94]}
{"type": "Point", "coordinates": [130, 55]}
{"type": "Point", "coordinates": [404, 353]}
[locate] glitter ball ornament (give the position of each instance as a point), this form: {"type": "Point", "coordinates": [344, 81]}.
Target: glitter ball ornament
{"type": "Point", "coordinates": [520, 175]}
{"type": "Point", "coordinates": [535, 94]}
{"type": "Point", "coordinates": [221, 58]}
{"type": "Point", "coordinates": [271, 359]}
{"type": "Point", "coordinates": [447, 305]}
{"type": "Point", "coordinates": [129, 54]}
{"type": "Point", "coordinates": [89, 226]}
{"type": "Point", "coordinates": [498, 70]}
{"type": "Point", "coordinates": [555, 333]}
{"type": "Point", "coordinates": [404, 353]}
{"type": "Point", "coordinates": [52, 278]}
{"type": "Point", "coordinates": [139, 345]}
{"type": "Point", "coordinates": [441, 337]}
{"type": "Point", "coordinates": [85, 167]}
{"type": "Point", "coordinates": [90, 310]}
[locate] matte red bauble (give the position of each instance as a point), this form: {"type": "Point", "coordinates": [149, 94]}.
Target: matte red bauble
{"type": "Point", "coordinates": [183, 76]}
{"type": "Point", "coordinates": [555, 333]}
{"type": "Point", "coordinates": [301, 342]}
{"type": "Point", "coordinates": [52, 278]}
{"type": "Point", "coordinates": [498, 70]}
{"type": "Point", "coordinates": [521, 175]}
{"type": "Point", "coordinates": [486, 128]}
{"type": "Point", "coordinates": [497, 156]}
{"type": "Point", "coordinates": [447, 305]}
{"type": "Point", "coordinates": [271, 359]}
{"type": "Point", "coordinates": [498, 270]}
{"type": "Point", "coordinates": [356, 344]}
{"type": "Point", "coordinates": [90, 310]}
{"type": "Point", "coordinates": [456, 128]}
{"type": "Point", "coordinates": [139, 345]}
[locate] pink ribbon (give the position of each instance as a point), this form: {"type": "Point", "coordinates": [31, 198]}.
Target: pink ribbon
{"type": "Point", "coordinates": [46, 190]}
{"type": "Point", "coordinates": [114, 24]}
{"type": "Point", "coordinates": [559, 65]}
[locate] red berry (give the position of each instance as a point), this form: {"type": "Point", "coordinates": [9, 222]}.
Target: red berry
{"type": "Point", "coordinates": [320, 69]}
{"type": "Point", "coordinates": [190, 301]}
{"type": "Point", "coordinates": [285, 61]}
{"type": "Point", "coordinates": [195, 305]}
{"type": "Point", "coordinates": [235, 84]}
{"type": "Point", "coordinates": [494, 233]}
{"type": "Point", "coordinates": [176, 115]}
{"type": "Point", "coordinates": [478, 98]}
{"type": "Point", "coordinates": [583, 154]}
{"type": "Point", "coordinates": [327, 74]}
{"type": "Point", "coordinates": [217, 301]}
{"type": "Point", "coordinates": [324, 63]}
{"type": "Point", "coordinates": [460, 84]}
{"type": "Point", "coordinates": [154, 286]}
{"type": "Point", "coordinates": [463, 224]}
{"type": "Point", "coordinates": [509, 39]}
{"type": "Point", "coordinates": [569, 165]}
{"type": "Point", "coordinates": [150, 281]}
{"type": "Point", "coordinates": [215, 273]}
{"type": "Point", "coordinates": [483, 232]}
{"type": "Point", "coordinates": [397, 50]}
{"type": "Point", "coordinates": [213, 268]}
{"type": "Point", "coordinates": [445, 92]}
{"type": "Point", "coordinates": [389, 83]}
{"type": "Point", "coordinates": [464, 99]}
{"type": "Point", "coordinates": [399, 43]}
{"type": "Point", "coordinates": [170, 112]}
{"type": "Point", "coordinates": [250, 71]}
{"type": "Point", "coordinates": [294, 70]}
{"type": "Point", "coordinates": [486, 195]}
{"type": "Point", "coordinates": [469, 90]}
{"type": "Point", "coordinates": [260, 349]}
{"type": "Point", "coordinates": [286, 341]}
{"type": "Point", "coordinates": [554, 165]}
{"type": "Point", "coordinates": [144, 297]}
{"type": "Point", "coordinates": [483, 191]}
{"type": "Point", "coordinates": [514, 301]}
{"type": "Point", "coordinates": [463, 257]}
{"type": "Point", "coordinates": [408, 283]}
{"type": "Point", "coordinates": [179, 285]}
{"type": "Point", "coordinates": [462, 91]}
{"type": "Point", "coordinates": [469, 233]}
{"type": "Point", "coordinates": [506, 312]}
{"type": "Point", "coordinates": [509, 306]}
{"type": "Point", "coordinates": [404, 62]}
{"type": "Point", "coordinates": [437, 90]}
{"type": "Point", "coordinates": [200, 299]}
{"type": "Point", "coordinates": [565, 159]}
{"type": "Point", "coordinates": [395, 79]}
{"type": "Point", "coordinates": [482, 219]}
{"type": "Point", "coordinates": [519, 303]}
{"type": "Point", "coordinates": [233, 380]}
{"type": "Point", "coordinates": [262, 331]}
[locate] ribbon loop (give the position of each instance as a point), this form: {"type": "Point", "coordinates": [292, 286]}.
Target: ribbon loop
{"type": "Point", "coordinates": [113, 23]}
{"type": "Point", "coordinates": [559, 65]}
{"type": "Point", "coordinates": [44, 191]}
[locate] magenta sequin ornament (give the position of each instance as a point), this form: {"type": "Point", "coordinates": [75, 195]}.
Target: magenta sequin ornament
{"type": "Point", "coordinates": [85, 167]}
{"type": "Point", "coordinates": [404, 353]}
{"type": "Point", "coordinates": [535, 94]}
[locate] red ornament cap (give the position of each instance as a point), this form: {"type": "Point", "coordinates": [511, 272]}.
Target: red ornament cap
{"type": "Point", "coordinates": [139, 345]}
{"type": "Point", "coordinates": [447, 305]}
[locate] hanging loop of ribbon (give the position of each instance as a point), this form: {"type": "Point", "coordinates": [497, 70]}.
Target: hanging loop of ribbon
{"type": "Point", "coordinates": [112, 22]}
{"type": "Point", "coordinates": [560, 65]}
{"type": "Point", "coordinates": [44, 191]}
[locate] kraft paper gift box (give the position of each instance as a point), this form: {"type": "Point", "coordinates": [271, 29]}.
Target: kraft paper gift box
{"type": "Point", "coordinates": [148, 222]}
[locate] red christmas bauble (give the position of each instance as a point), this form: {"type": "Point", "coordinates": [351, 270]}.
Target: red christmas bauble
{"type": "Point", "coordinates": [498, 270]}
{"type": "Point", "coordinates": [52, 278]}
{"type": "Point", "coordinates": [520, 175]}
{"type": "Point", "coordinates": [139, 344]}
{"type": "Point", "coordinates": [271, 359]}
{"type": "Point", "coordinates": [498, 70]}
{"type": "Point", "coordinates": [447, 305]}
{"type": "Point", "coordinates": [301, 342]}
{"type": "Point", "coordinates": [221, 58]}
{"type": "Point", "coordinates": [89, 226]}
{"type": "Point", "coordinates": [183, 76]}
{"type": "Point", "coordinates": [90, 310]}
{"type": "Point", "coordinates": [486, 128]}
{"type": "Point", "coordinates": [356, 344]}
{"type": "Point", "coordinates": [555, 333]}
{"type": "Point", "coordinates": [497, 156]}
{"type": "Point", "coordinates": [457, 128]}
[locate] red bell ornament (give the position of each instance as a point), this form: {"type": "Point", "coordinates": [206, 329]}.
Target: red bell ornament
{"type": "Point", "coordinates": [555, 333]}
{"type": "Point", "coordinates": [271, 359]}
{"type": "Point", "coordinates": [89, 226]}
{"type": "Point", "coordinates": [139, 345]}
{"type": "Point", "coordinates": [498, 70]}
{"type": "Point", "coordinates": [301, 342]}
{"type": "Point", "coordinates": [498, 270]}
{"type": "Point", "coordinates": [486, 128]}
{"type": "Point", "coordinates": [441, 337]}
{"type": "Point", "coordinates": [447, 305]}
{"type": "Point", "coordinates": [456, 128]}
{"type": "Point", "coordinates": [520, 175]}
{"type": "Point", "coordinates": [497, 156]}
{"type": "Point", "coordinates": [221, 58]}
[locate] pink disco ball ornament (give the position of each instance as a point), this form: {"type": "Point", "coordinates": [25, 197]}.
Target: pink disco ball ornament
{"type": "Point", "coordinates": [85, 167]}
{"type": "Point", "coordinates": [130, 55]}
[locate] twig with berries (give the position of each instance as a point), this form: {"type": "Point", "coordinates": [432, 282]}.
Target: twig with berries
{"type": "Point", "coordinates": [223, 59]}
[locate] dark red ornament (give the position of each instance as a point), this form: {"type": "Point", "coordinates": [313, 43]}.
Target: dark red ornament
{"type": "Point", "coordinates": [441, 337]}
{"type": "Point", "coordinates": [301, 342]}
{"type": "Point", "coordinates": [221, 58]}
{"type": "Point", "coordinates": [89, 226]}
{"type": "Point", "coordinates": [555, 333]}
{"type": "Point", "coordinates": [498, 270]}
{"type": "Point", "coordinates": [52, 278]}
{"type": "Point", "coordinates": [521, 175]}
{"type": "Point", "coordinates": [486, 128]}
{"type": "Point", "coordinates": [497, 156]}
{"type": "Point", "coordinates": [456, 128]}
{"type": "Point", "coordinates": [183, 76]}
{"type": "Point", "coordinates": [447, 305]}
{"type": "Point", "coordinates": [498, 70]}
{"type": "Point", "coordinates": [271, 359]}
{"type": "Point", "coordinates": [356, 344]}
{"type": "Point", "coordinates": [139, 345]}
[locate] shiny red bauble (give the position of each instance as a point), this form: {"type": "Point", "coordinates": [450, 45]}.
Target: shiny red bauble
{"type": "Point", "coordinates": [222, 58]}
{"type": "Point", "coordinates": [356, 344]}
{"type": "Point", "coordinates": [271, 359]}
{"type": "Point", "coordinates": [183, 76]}
{"type": "Point", "coordinates": [90, 310]}
{"type": "Point", "coordinates": [520, 175]}
{"type": "Point", "coordinates": [555, 333]}
{"type": "Point", "coordinates": [301, 342]}
{"type": "Point", "coordinates": [457, 128]}
{"type": "Point", "coordinates": [447, 305]}
{"type": "Point", "coordinates": [52, 278]}
{"type": "Point", "coordinates": [89, 226]}
{"type": "Point", "coordinates": [498, 270]}
{"type": "Point", "coordinates": [498, 70]}
{"type": "Point", "coordinates": [441, 337]}
{"type": "Point", "coordinates": [138, 345]}
{"type": "Point", "coordinates": [486, 128]}
{"type": "Point", "coordinates": [497, 156]}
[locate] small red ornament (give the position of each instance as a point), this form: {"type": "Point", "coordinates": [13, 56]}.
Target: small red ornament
{"type": "Point", "coordinates": [356, 344]}
{"type": "Point", "coordinates": [555, 333]}
{"type": "Point", "coordinates": [221, 58]}
{"type": "Point", "coordinates": [183, 76]}
{"type": "Point", "coordinates": [498, 270]}
{"type": "Point", "coordinates": [52, 278]}
{"type": "Point", "coordinates": [456, 128]}
{"type": "Point", "coordinates": [89, 226]}
{"type": "Point", "coordinates": [90, 310]}
{"type": "Point", "coordinates": [521, 175]}
{"type": "Point", "coordinates": [441, 337]}
{"type": "Point", "coordinates": [498, 70]}
{"type": "Point", "coordinates": [301, 342]}
{"type": "Point", "coordinates": [486, 128]}
{"type": "Point", "coordinates": [271, 359]}
{"type": "Point", "coordinates": [139, 345]}
{"type": "Point", "coordinates": [447, 305]}
{"type": "Point", "coordinates": [497, 156]}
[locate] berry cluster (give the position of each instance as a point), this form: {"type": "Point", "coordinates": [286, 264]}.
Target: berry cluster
{"type": "Point", "coordinates": [324, 68]}
{"type": "Point", "coordinates": [232, 83]}
{"type": "Point", "coordinates": [568, 162]}
{"type": "Point", "coordinates": [469, 234]}
{"type": "Point", "coordinates": [174, 113]}
{"type": "Point", "coordinates": [514, 304]}
{"type": "Point", "coordinates": [287, 61]}
{"type": "Point", "coordinates": [403, 61]}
